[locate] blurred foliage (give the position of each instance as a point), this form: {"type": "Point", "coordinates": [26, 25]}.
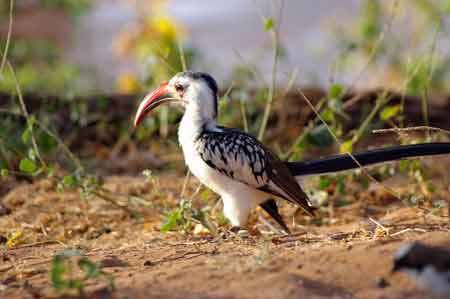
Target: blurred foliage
{"type": "Point", "coordinates": [156, 43]}
{"type": "Point", "coordinates": [401, 43]}
{"type": "Point", "coordinates": [39, 69]}
{"type": "Point", "coordinates": [38, 62]}
{"type": "Point", "coordinates": [70, 272]}
{"type": "Point", "coordinates": [71, 7]}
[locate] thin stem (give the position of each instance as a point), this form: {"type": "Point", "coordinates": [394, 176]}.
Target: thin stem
{"type": "Point", "coordinates": [411, 129]}
{"type": "Point", "coordinates": [305, 132]}
{"type": "Point", "coordinates": [25, 113]}
{"type": "Point", "coordinates": [244, 114]}
{"type": "Point", "coordinates": [275, 41]}
{"type": "Point", "coordinates": [363, 169]}
{"type": "Point", "coordinates": [182, 57]}
{"type": "Point", "coordinates": [46, 130]}
{"type": "Point", "coordinates": [8, 36]}
{"type": "Point", "coordinates": [382, 100]}
{"type": "Point", "coordinates": [429, 76]}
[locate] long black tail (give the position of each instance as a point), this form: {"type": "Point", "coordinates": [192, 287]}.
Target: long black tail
{"type": "Point", "coordinates": [345, 162]}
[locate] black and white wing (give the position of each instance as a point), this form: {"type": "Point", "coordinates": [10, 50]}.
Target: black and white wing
{"type": "Point", "coordinates": [243, 158]}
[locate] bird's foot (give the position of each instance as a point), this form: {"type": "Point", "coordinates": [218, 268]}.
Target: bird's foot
{"type": "Point", "coordinates": [236, 232]}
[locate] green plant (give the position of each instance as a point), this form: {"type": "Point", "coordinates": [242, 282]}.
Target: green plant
{"type": "Point", "coordinates": [184, 216]}
{"type": "Point", "coordinates": [70, 271]}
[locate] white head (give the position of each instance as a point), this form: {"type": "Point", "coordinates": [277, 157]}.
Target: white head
{"type": "Point", "coordinates": [196, 91]}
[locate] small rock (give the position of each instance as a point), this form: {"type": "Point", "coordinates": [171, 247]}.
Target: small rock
{"type": "Point", "coordinates": [382, 283]}
{"type": "Point", "coordinates": [3, 239]}
{"type": "Point", "coordinates": [148, 263]}
{"type": "Point", "coordinates": [200, 230]}
{"type": "Point", "coordinates": [112, 261]}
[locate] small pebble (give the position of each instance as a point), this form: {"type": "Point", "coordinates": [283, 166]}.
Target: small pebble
{"type": "Point", "coordinates": [148, 263]}
{"type": "Point", "coordinates": [382, 283]}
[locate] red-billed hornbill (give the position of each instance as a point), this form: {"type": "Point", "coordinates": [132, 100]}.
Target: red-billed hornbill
{"type": "Point", "coordinates": [238, 167]}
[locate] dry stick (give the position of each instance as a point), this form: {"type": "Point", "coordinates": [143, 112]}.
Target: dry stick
{"type": "Point", "coordinates": [410, 129]}
{"type": "Point", "coordinates": [25, 113]}
{"type": "Point", "coordinates": [275, 39]}
{"type": "Point", "coordinates": [8, 37]}
{"type": "Point", "coordinates": [305, 132]}
{"type": "Point", "coordinates": [383, 99]}
{"type": "Point", "coordinates": [363, 169]}
{"type": "Point", "coordinates": [425, 95]}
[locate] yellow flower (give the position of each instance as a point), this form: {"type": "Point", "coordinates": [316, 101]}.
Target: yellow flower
{"type": "Point", "coordinates": [128, 83]}
{"type": "Point", "coordinates": [165, 27]}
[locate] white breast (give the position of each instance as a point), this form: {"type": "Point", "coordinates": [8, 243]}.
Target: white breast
{"type": "Point", "coordinates": [238, 198]}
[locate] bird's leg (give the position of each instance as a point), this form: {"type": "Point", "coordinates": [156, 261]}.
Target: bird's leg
{"type": "Point", "coordinates": [270, 206]}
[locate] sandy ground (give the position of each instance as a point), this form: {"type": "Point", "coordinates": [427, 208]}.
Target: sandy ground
{"type": "Point", "coordinates": [343, 257]}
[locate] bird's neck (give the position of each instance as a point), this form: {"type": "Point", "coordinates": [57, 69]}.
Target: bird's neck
{"type": "Point", "coordinates": [194, 121]}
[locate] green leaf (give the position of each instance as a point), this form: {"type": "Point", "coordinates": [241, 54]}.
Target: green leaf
{"type": "Point", "coordinates": [341, 184]}
{"type": "Point", "coordinates": [31, 121]}
{"type": "Point", "coordinates": [389, 112]}
{"type": "Point", "coordinates": [171, 221]}
{"type": "Point", "coordinates": [346, 147]}
{"type": "Point", "coordinates": [26, 135]}
{"type": "Point", "coordinates": [324, 183]}
{"type": "Point", "coordinates": [335, 91]}
{"type": "Point", "coordinates": [69, 181]}
{"type": "Point", "coordinates": [27, 165]}
{"type": "Point", "coordinates": [4, 173]}
{"type": "Point", "coordinates": [320, 136]}
{"type": "Point", "coordinates": [268, 24]}
{"type": "Point", "coordinates": [57, 271]}
{"type": "Point", "coordinates": [90, 269]}
{"type": "Point", "coordinates": [205, 195]}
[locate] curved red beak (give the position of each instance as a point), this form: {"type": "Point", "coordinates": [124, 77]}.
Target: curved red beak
{"type": "Point", "coordinates": [151, 101]}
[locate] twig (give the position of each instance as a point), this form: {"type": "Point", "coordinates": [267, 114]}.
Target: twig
{"type": "Point", "coordinates": [113, 201]}
{"type": "Point", "coordinates": [382, 99]}
{"type": "Point", "coordinates": [270, 226]}
{"type": "Point", "coordinates": [410, 129]}
{"type": "Point", "coordinates": [8, 36]}
{"type": "Point", "coordinates": [408, 230]}
{"type": "Point", "coordinates": [6, 268]}
{"type": "Point", "coordinates": [39, 244]}
{"type": "Point", "coordinates": [363, 169]}
{"type": "Point", "coordinates": [425, 96]}
{"type": "Point", "coordinates": [379, 225]}
{"type": "Point", "coordinates": [185, 183]}
{"type": "Point", "coordinates": [304, 133]}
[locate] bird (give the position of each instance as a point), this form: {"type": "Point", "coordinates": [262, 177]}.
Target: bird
{"type": "Point", "coordinates": [237, 166]}
{"type": "Point", "coordinates": [429, 266]}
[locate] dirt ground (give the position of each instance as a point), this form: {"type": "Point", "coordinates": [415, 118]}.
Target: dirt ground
{"type": "Point", "coordinates": [344, 256]}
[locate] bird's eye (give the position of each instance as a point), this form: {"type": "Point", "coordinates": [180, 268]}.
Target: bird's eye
{"type": "Point", "coordinates": [179, 87]}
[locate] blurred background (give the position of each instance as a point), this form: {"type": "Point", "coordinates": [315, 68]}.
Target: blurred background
{"type": "Point", "coordinates": [119, 45]}
{"type": "Point", "coordinates": [74, 170]}
{"type": "Point", "coordinates": [82, 67]}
